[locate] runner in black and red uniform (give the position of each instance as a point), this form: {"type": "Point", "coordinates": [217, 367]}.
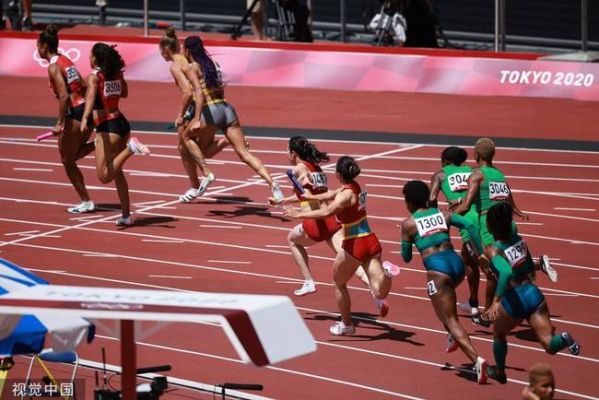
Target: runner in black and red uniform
{"type": "Point", "coordinates": [105, 87]}
{"type": "Point", "coordinates": [68, 87]}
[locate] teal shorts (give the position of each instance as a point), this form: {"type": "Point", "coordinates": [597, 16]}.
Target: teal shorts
{"type": "Point", "coordinates": [447, 262]}
{"type": "Point", "coordinates": [522, 301]}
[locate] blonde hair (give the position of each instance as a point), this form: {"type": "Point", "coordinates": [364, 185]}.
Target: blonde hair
{"type": "Point", "coordinates": [538, 371]}
{"type": "Point", "coordinates": [170, 40]}
{"type": "Point", "coordinates": [485, 148]}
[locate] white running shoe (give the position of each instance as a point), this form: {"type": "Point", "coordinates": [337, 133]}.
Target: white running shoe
{"type": "Point", "coordinates": [137, 147]}
{"type": "Point", "coordinates": [452, 345]}
{"type": "Point", "coordinates": [340, 329]}
{"type": "Point", "coordinates": [122, 221]}
{"type": "Point", "coordinates": [547, 268]}
{"type": "Point", "coordinates": [481, 370]}
{"type": "Point", "coordinates": [83, 207]}
{"type": "Point", "coordinates": [188, 196]}
{"type": "Point", "coordinates": [205, 182]}
{"type": "Point", "coordinates": [277, 194]}
{"type": "Point", "coordinates": [391, 270]}
{"type": "Point", "coordinates": [307, 288]}
{"type": "Point", "coordinates": [466, 307]}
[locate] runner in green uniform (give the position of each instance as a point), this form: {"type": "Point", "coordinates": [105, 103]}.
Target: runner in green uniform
{"type": "Point", "coordinates": [452, 180]}
{"type": "Point", "coordinates": [487, 186]}
{"type": "Point", "coordinates": [428, 229]}
{"type": "Point", "coordinates": [516, 297]}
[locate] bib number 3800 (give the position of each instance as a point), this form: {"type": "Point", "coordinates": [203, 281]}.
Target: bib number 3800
{"type": "Point", "coordinates": [112, 88]}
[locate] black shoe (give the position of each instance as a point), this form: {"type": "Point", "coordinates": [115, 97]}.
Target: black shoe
{"type": "Point", "coordinates": [479, 320]}
{"type": "Point", "coordinates": [573, 346]}
{"type": "Point", "coordinates": [27, 24]}
{"type": "Point", "coordinates": [13, 15]}
{"type": "Point", "coordinates": [494, 374]}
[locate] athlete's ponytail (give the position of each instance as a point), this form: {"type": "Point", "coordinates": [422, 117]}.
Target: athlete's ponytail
{"type": "Point", "coordinates": [49, 37]}
{"type": "Point", "coordinates": [169, 40]}
{"type": "Point", "coordinates": [348, 168]}
{"type": "Point", "coordinates": [306, 150]}
{"type": "Point", "coordinates": [108, 59]}
{"type": "Point", "coordinates": [198, 53]}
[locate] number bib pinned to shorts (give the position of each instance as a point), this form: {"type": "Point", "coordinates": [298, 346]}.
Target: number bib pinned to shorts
{"type": "Point", "coordinates": [458, 182]}
{"type": "Point", "coordinates": [516, 254]}
{"type": "Point", "coordinates": [498, 191]}
{"type": "Point", "coordinates": [431, 224]}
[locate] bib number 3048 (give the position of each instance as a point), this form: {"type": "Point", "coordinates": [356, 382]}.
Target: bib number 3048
{"type": "Point", "coordinates": [498, 191]}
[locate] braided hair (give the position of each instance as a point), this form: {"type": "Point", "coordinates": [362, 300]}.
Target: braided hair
{"type": "Point", "coordinates": [211, 75]}
{"type": "Point", "coordinates": [108, 59]}
{"type": "Point", "coordinates": [306, 150]}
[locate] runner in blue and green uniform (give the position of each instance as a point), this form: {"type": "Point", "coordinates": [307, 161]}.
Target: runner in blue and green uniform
{"type": "Point", "coordinates": [516, 297]}
{"type": "Point", "coordinates": [452, 181]}
{"type": "Point", "coordinates": [428, 229]}
{"type": "Point", "coordinates": [487, 186]}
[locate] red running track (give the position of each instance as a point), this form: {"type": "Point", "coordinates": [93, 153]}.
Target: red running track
{"type": "Point", "coordinates": [231, 242]}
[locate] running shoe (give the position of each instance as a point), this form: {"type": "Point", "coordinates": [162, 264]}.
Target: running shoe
{"type": "Point", "coordinates": [481, 370]}
{"type": "Point", "coordinates": [547, 268]}
{"type": "Point", "coordinates": [573, 346]}
{"type": "Point", "coordinates": [340, 329]}
{"type": "Point", "coordinates": [493, 373]}
{"type": "Point", "coordinates": [382, 305]}
{"type": "Point", "coordinates": [277, 194]}
{"type": "Point", "coordinates": [466, 307]}
{"type": "Point", "coordinates": [452, 345]}
{"type": "Point", "coordinates": [27, 24]}
{"type": "Point", "coordinates": [122, 221]}
{"type": "Point", "coordinates": [205, 182]}
{"type": "Point", "coordinates": [391, 270]}
{"type": "Point", "coordinates": [137, 147]}
{"type": "Point", "coordinates": [188, 196]}
{"type": "Point", "coordinates": [307, 288]}
{"type": "Point", "coordinates": [479, 320]}
{"type": "Point", "coordinates": [83, 207]}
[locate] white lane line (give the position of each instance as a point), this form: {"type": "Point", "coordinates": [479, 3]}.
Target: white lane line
{"type": "Point", "coordinates": [170, 276]}
{"type": "Point", "coordinates": [560, 294]}
{"type": "Point", "coordinates": [220, 226]}
{"type": "Point", "coordinates": [33, 169]}
{"type": "Point", "coordinates": [530, 223]}
{"type": "Point", "coordinates": [162, 240]}
{"type": "Point", "coordinates": [229, 262]}
{"type": "Point", "coordinates": [99, 255]}
{"type": "Point", "coordinates": [415, 288]}
{"type": "Point", "coordinates": [86, 217]}
{"type": "Point", "coordinates": [573, 209]}
{"type": "Point", "coordinates": [21, 233]}
{"type": "Point", "coordinates": [384, 186]}
{"type": "Point", "coordinates": [150, 174]}
{"type": "Point", "coordinates": [147, 203]}
{"type": "Point", "coordinates": [276, 246]}
{"type": "Point", "coordinates": [595, 277]}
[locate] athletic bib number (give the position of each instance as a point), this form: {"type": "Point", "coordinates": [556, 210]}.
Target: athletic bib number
{"type": "Point", "coordinates": [72, 75]}
{"type": "Point", "coordinates": [516, 254]}
{"type": "Point", "coordinates": [431, 224]}
{"type": "Point", "coordinates": [112, 88]}
{"type": "Point", "coordinates": [498, 191]}
{"type": "Point", "coordinates": [362, 200]}
{"type": "Point", "coordinates": [458, 182]}
{"type": "Point", "coordinates": [319, 180]}
{"type": "Point", "coordinates": [432, 289]}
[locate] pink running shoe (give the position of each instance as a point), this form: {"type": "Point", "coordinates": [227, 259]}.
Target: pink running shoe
{"type": "Point", "coordinates": [391, 270]}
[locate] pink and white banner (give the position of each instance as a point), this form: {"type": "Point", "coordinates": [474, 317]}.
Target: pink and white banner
{"type": "Point", "coordinates": [338, 70]}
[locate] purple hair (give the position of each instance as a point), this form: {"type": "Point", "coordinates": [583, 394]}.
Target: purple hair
{"type": "Point", "coordinates": [198, 53]}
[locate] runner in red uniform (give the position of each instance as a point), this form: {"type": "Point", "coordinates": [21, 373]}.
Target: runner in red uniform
{"type": "Point", "coordinates": [69, 89]}
{"type": "Point", "coordinates": [105, 87]}
{"type": "Point", "coordinates": [360, 245]}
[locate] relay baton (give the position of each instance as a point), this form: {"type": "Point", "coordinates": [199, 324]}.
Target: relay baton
{"type": "Point", "coordinates": [44, 136]}
{"type": "Point", "coordinates": [295, 182]}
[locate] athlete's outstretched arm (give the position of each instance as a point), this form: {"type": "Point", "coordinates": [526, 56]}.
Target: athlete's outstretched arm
{"type": "Point", "coordinates": [435, 185]}
{"type": "Point", "coordinates": [406, 242]}
{"type": "Point", "coordinates": [515, 208]}
{"type": "Point", "coordinates": [90, 98]}
{"type": "Point", "coordinates": [462, 223]}
{"type": "Point", "coordinates": [474, 181]}
{"type": "Point", "coordinates": [341, 201]}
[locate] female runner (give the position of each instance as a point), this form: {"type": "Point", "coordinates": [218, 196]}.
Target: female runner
{"type": "Point", "coordinates": [360, 245]}
{"type": "Point", "coordinates": [69, 89]}
{"type": "Point", "coordinates": [105, 87]}
{"type": "Point", "coordinates": [428, 229]}
{"type": "Point", "coordinates": [213, 112]}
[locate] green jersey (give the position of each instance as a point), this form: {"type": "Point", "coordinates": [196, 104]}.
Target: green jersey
{"type": "Point", "coordinates": [493, 189]}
